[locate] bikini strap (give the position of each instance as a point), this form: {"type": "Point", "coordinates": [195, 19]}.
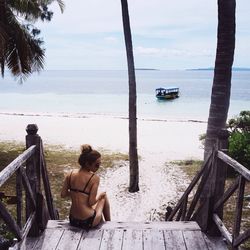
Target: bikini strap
{"type": "Point", "coordinates": [88, 182]}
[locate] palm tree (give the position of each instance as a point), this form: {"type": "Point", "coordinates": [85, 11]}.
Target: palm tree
{"type": "Point", "coordinates": [133, 156]}
{"type": "Point", "coordinates": [220, 98]}
{"type": "Point", "coordinates": [20, 48]}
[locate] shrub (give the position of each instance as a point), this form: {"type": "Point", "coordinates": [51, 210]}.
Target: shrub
{"type": "Point", "coordinates": [239, 140]}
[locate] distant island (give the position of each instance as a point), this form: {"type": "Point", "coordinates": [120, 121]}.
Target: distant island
{"type": "Point", "coordinates": [211, 68]}
{"type": "Point", "coordinates": [145, 69]}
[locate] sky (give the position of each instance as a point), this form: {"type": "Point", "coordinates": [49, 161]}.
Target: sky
{"type": "Point", "coordinates": [166, 34]}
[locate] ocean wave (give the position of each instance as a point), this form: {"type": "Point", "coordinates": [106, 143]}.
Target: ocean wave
{"type": "Point", "coordinates": [95, 115]}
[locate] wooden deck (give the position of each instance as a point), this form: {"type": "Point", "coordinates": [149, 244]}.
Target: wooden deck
{"type": "Point", "coordinates": [124, 235]}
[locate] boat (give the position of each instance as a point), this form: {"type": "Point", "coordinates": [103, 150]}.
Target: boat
{"type": "Point", "coordinates": [167, 93]}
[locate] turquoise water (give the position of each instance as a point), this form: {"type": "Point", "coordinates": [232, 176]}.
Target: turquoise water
{"type": "Point", "coordinates": [81, 93]}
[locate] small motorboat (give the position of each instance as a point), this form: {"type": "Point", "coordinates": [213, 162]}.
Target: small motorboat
{"type": "Point", "coordinates": [167, 93]}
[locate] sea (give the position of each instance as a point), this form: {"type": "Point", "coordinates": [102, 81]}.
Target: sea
{"type": "Point", "coordinates": [105, 92]}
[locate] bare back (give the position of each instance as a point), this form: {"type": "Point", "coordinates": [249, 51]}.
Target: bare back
{"type": "Point", "coordinates": [83, 187]}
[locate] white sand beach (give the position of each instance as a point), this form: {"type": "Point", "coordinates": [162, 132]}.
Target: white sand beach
{"type": "Point", "coordinates": [158, 142]}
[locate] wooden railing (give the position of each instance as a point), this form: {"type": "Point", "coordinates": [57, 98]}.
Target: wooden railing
{"type": "Point", "coordinates": [30, 169]}
{"type": "Point", "coordinates": [206, 204]}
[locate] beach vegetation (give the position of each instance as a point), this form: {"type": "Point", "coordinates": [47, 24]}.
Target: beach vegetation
{"type": "Point", "coordinates": [133, 154]}
{"type": "Point", "coordinates": [21, 48]}
{"type": "Point", "coordinates": [220, 97]}
{"type": "Point", "coordinates": [239, 140]}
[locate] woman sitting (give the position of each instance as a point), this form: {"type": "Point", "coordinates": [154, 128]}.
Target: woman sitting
{"type": "Point", "coordinates": [87, 209]}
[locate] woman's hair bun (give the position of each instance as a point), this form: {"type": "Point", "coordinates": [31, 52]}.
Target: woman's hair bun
{"type": "Point", "coordinates": [86, 149]}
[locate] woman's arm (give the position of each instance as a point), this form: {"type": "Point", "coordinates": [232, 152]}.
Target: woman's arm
{"type": "Point", "coordinates": [65, 189]}
{"type": "Point", "coordinates": [93, 191]}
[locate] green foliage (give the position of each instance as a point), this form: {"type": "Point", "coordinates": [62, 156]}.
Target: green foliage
{"type": "Point", "coordinates": [239, 140]}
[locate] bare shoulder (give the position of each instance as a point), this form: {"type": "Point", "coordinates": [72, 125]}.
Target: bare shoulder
{"type": "Point", "coordinates": [96, 179]}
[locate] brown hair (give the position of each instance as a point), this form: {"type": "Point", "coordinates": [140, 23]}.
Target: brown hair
{"type": "Point", "coordinates": [88, 155]}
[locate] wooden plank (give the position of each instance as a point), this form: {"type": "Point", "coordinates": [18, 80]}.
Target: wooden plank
{"type": "Point", "coordinates": [163, 225]}
{"type": "Point", "coordinates": [70, 239]}
{"type": "Point", "coordinates": [28, 188]}
{"type": "Point", "coordinates": [19, 195]}
{"type": "Point", "coordinates": [91, 240]}
{"type": "Point", "coordinates": [112, 239]}
{"type": "Point", "coordinates": [28, 225]}
{"type": "Point", "coordinates": [8, 171]}
{"type": "Point", "coordinates": [222, 228]}
{"type": "Point", "coordinates": [153, 239]}
{"type": "Point", "coordinates": [174, 240]}
{"type": "Point", "coordinates": [49, 239]}
{"type": "Point", "coordinates": [235, 165]}
{"type": "Point", "coordinates": [198, 191]}
{"type": "Point", "coordinates": [132, 239]}
{"type": "Point", "coordinates": [215, 243]}
{"type": "Point", "coordinates": [194, 240]}
{"type": "Point", "coordinates": [239, 206]}
{"type": "Point", "coordinates": [27, 244]}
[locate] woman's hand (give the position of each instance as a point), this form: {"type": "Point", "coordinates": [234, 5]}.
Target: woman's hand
{"type": "Point", "coordinates": [101, 195]}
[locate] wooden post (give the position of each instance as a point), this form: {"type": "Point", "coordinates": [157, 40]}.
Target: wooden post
{"type": "Point", "coordinates": [218, 178]}
{"type": "Point", "coordinates": [33, 170]}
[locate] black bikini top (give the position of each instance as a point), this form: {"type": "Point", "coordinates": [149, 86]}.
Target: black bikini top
{"type": "Point", "coordinates": [78, 190]}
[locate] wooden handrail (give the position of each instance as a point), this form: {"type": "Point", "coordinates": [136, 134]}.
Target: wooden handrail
{"type": "Point", "coordinates": [234, 164]}
{"type": "Point", "coordinates": [29, 177]}
{"type": "Point", "coordinates": [8, 171]}
{"type": "Point", "coordinates": [211, 195]}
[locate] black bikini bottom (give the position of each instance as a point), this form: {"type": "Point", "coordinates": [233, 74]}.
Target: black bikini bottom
{"type": "Point", "coordinates": [85, 224]}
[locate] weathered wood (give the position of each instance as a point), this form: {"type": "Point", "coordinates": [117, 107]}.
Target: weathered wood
{"type": "Point", "coordinates": [91, 240]}
{"type": "Point", "coordinates": [70, 239]}
{"type": "Point", "coordinates": [163, 225]}
{"type": "Point", "coordinates": [28, 189]}
{"type": "Point", "coordinates": [241, 238]}
{"type": "Point", "coordinates": [239, 206]}
{"type": "Point", "coordinates": [215, 243]}
{"type": "Point", "coordinates": [153, 239]}
{"type": "Point", "coordinates": [49, 239]}
{"type": "Point", "coordinates": [49, 198]}
{"type": "Point", "coordinates": [19, 197]}
{"type": "Point", "coordinates": [184, 209]}
{"type": "Point", "coordinates": [9, 220]}
{"type": "Point", "coordinates": [190, 187]}
{"type": "Point", "coordinates": [174, 240]}
{"type": "Point", "coordinates": [227, 194]}
{"type": "Point", "coordinates": [65, 237]}
{"type": "Point", "coordinates": [199, 191]}
{"type": "Point", "coordinates": [235, 165]}
{"type": "Point", "coordinates": [33, 170]}
{"type": "Point", "coordinates": [28, 225]}
{"type": "Point", "coordinates": [132, 239]}
{"type": "Point", "coordinates": [112, 239]}
{"type": "Point", "coordinates": [8, 171]}
{"type": "Point", "coordinates": [222, 228]}
{"type": "Point", "coordinates": [194, 240]}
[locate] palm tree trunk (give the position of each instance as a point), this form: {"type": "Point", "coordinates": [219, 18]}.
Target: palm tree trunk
{"type": "Point", "coordinates": [133, 156]}
{"type": "Point", "coordinates": [220, 98]}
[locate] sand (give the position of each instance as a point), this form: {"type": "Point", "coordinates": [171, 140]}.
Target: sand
{"type": "Point", "coordinates": [158, 142]}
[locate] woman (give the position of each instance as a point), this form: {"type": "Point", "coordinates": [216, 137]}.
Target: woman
{"type": "Point", "coordinates": [87, 209]}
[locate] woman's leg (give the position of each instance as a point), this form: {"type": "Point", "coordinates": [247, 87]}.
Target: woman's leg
{"type": "Point", "coordinates": [106, 209]}
{"type": "Point", "coordinates": [102, 208]}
